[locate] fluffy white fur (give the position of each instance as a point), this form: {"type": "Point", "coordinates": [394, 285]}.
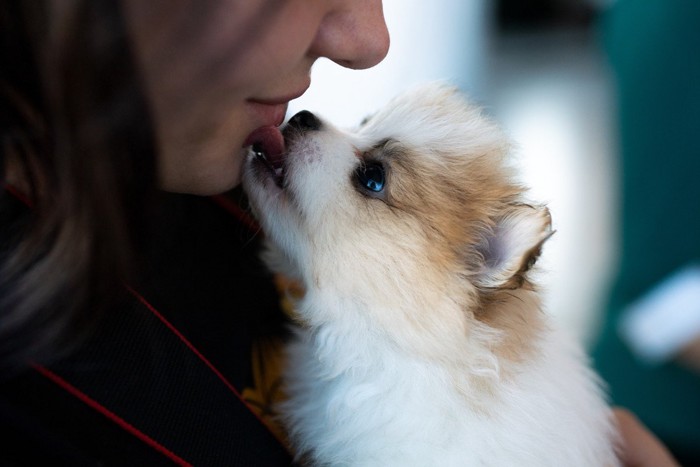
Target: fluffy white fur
{"type": "Point", "coordinates": [420, 339]}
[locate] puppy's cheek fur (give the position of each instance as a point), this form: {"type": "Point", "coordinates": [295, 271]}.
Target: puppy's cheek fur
{"type": "Point", "coordinates": [316, 178]}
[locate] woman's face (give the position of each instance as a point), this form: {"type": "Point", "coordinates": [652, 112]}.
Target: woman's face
{"type": "Point", "coordinates": [214, 71]}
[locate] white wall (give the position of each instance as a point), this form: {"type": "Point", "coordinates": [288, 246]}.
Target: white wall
{"type": "Point", "coordinates": [430, 40]}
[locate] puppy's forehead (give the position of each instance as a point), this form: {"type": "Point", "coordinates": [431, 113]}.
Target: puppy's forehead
{"type": "Point", "coordinates": [437, 118]}
{"type": "Point", "coordinates": [404, 115]}
{"type": "Point", "coordinates": [442, 151]}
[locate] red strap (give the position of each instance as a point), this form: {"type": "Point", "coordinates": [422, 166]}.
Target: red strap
{"type": "Point", "coordinates": [11, 189]}
{"type": "Point", "coordinates": [123, 423]}
{"type": "Point", "coordinates": [184, 340]}
{"type": "Point", "coordinates": [233, 208]}
{"type": "Point", "coordinates": [110, 415]}
{"type": "Point", "coordinates": [201, 356]}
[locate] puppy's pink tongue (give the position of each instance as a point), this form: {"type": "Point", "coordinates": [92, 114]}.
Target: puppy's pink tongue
{"type": "Point", "coordinates": [270, 141]}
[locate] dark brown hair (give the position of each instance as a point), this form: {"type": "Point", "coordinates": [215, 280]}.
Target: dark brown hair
{"type": "Point", "coordinates": [76, 125]}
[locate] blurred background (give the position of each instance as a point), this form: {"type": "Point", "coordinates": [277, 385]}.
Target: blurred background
{"type": "Point", "coordinates": [538, 68]}
{"type": "Point", "coordinates": [602, 99]}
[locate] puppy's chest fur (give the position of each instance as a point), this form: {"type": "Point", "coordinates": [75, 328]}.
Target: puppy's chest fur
{"type": "Point", "coordinates": [357, 396]}
{"type": "Point", "coordinates": [422, 340]}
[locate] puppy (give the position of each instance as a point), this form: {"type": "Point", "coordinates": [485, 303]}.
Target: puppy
{"type": "Point", "coordinates": [421, 338]}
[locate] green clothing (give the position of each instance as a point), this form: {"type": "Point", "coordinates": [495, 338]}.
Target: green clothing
{"type": "Point", "coordinates": [654, 48]}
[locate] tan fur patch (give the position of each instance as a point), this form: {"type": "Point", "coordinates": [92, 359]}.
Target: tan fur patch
{"type": "Point", "coordinates": [518, 315]}
{"type": "Point", "coordinates": [456, 207]}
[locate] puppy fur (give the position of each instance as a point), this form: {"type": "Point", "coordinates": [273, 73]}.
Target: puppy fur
{"type": "Point", "coordinates": [421, 338]}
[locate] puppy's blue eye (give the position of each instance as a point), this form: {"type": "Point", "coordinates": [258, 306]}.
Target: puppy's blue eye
{"type": "Point", "coordinates": [371, 176]}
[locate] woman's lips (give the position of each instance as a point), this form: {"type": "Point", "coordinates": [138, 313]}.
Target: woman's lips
{"type": "Point", "coordinates": [267, 134]}
{"type": "Point", "coordinates": [279, 100]}
{"type": "Point", "coordinates": [267, 114]}
{"type": "Point", "coordinates": [270, 111]}
{"type": "Point", "coordinates": [267, 140]}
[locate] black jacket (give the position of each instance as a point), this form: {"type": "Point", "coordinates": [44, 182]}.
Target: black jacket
{"type": "Point", "coordinates": [177, 375]}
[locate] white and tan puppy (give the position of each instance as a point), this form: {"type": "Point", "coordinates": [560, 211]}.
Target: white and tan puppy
{"type": "Point", "coordinates": [422, 341]}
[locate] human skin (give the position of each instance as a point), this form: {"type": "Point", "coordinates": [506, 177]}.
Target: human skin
{"type": "Point", "coordinates": [639, 447]}
{"type": "Point", "coordinates": [215, 71]}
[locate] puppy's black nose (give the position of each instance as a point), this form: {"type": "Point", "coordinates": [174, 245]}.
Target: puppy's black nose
{"type": "Point", "coordinates": [305, 121]}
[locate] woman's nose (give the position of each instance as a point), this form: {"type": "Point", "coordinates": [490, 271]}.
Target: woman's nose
{"type": "Point", "coordinates": [353, 34]}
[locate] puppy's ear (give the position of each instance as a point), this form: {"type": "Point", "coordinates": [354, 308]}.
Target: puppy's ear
{"type": "Point", "coordinates": [513, 246]}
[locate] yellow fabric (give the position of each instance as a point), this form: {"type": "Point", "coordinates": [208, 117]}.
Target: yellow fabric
{"type": "Point", "coordinates": [268, 362]}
